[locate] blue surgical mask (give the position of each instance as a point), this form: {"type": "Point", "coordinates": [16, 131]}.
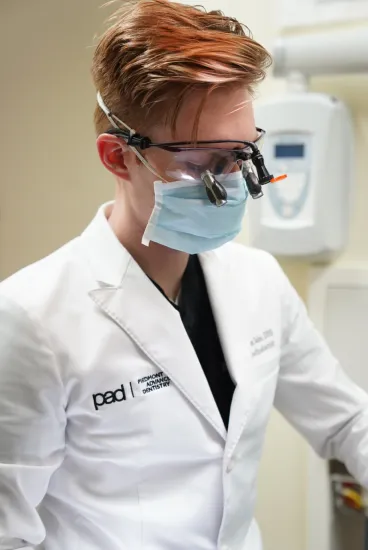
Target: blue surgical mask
{"type": "Point", "coordinates": [184, 219]}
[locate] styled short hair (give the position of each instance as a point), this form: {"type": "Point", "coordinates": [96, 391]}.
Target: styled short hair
{"type": "Point", "coordinates": [157, 52]}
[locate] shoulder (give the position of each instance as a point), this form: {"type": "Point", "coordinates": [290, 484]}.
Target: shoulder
{"type": "Point", "coordinates": [249, 261]}
{"type": "Point", "coordinates": [43, 285]}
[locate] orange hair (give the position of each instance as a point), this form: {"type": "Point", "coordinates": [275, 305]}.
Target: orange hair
{"type": "Point", "coordinates": [156, 52]}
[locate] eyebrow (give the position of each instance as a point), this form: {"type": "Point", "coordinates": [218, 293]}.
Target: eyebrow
{"type": "Point", "coordinates": [240, 147]}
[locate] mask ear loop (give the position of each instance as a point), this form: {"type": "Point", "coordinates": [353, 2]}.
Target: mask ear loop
{"type": "Point", "coordinates": [114, 120]}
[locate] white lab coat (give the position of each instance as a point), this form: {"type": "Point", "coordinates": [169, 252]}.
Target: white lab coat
{"type": "Point", "coordinates": [110, 438]}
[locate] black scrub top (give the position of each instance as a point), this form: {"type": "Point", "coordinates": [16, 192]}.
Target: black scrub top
{"type": "Point", "coordinates": [197, 317]}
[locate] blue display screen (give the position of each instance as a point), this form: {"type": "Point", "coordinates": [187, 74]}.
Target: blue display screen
{"type": "Point", "coordinates": [289, 151]}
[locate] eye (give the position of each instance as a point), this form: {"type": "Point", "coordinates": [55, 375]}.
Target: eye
{"type": "Point", "coordinates": [220, 166]}
{"type": "Point", "coordinates": [223, 164]}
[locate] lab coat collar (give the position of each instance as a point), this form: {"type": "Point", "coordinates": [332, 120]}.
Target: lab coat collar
{"type": "Point", "coordinates": [233, 326]}
{"type": "Point", "coordinates": [124, 292]}
{"type": "Point", "coordinates": [105, 254]}
{"type": "Point", "coordinates": [129, 299]}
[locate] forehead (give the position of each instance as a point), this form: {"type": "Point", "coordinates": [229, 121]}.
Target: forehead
{"type": "Point", "coordinates": [227, 115]}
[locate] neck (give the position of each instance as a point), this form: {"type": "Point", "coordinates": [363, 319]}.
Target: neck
{"type": "Point", "coordinates": [163, 265]}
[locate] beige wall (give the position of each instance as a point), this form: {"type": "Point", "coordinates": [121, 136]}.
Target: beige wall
{"type": "Point", "coordinates": [51, 182]}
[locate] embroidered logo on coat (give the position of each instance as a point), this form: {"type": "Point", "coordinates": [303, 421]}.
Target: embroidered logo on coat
{"type": "Point", "coordinates": [131, 390]}
{"type": "Point", "coordinates": [153, 382]}
{"type": "Point", "coordinates": [262, 342]}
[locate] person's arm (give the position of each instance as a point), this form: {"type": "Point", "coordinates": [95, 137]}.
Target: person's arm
{"type": "Point", "coordinates": [314, 393]}
{"type": "Point", "coordinates": [32, 426]}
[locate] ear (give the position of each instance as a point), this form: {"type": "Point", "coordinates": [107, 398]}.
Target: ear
{"type": "Point", "coordinates": [113, 153]}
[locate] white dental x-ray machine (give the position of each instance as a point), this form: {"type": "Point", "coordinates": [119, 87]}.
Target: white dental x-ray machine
{"type": "Point", "coordinates": [309, 137]}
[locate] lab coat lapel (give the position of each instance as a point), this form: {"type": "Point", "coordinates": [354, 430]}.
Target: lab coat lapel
{"type": "Point", "coordinates": [233, 324]}
{"type": "Point", "coordinates": [138, 307]}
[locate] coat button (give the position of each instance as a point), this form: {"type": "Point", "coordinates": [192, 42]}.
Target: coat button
{"type": "Point", "coordinates": [229, 469]}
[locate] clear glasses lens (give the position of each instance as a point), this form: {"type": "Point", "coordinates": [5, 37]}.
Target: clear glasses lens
{"type": "Point", "coordinates": [191, 164]}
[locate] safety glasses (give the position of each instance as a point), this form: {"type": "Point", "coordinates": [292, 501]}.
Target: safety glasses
{"type": "Point", "coordinates": [206, 161]}
{"type": "Point", "coordinates": [185, 161]}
